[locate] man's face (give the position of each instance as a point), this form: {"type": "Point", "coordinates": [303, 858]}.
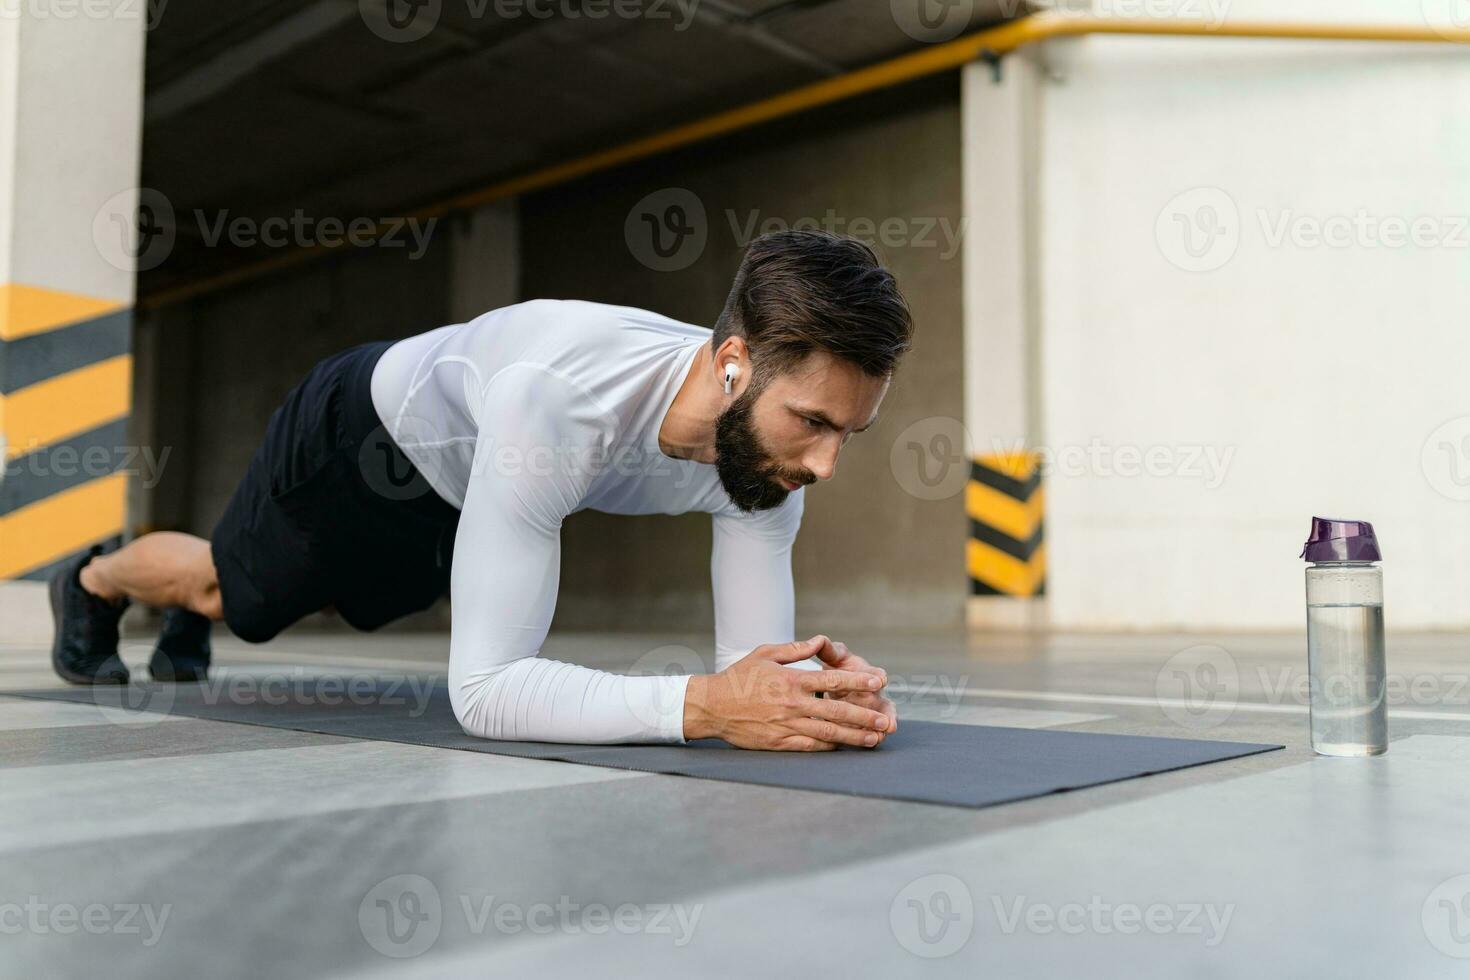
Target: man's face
{"type": "Point", "coordinates": [773, 440]}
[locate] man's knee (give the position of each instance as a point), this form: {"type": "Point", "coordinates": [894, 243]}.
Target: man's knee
{"type": "Point", "coordinates": [252, 630]}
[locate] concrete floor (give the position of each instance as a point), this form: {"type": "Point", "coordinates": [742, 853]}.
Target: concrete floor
{"type": "Point", "coordinates": [148, 845]}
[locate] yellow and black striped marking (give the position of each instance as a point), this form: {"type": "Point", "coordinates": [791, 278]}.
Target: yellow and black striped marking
{"type": "Point", "coordinates": [65, 393]}
{"type": "Point", "coordinates": [1005, 552]}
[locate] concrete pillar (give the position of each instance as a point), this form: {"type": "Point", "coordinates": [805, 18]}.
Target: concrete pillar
{"type": "Point", "coordinates": [1005, 553]}
{"type": "Point", "coordinates": [485, 270]}
{"type": "Point", "coordinates": [70, 109]}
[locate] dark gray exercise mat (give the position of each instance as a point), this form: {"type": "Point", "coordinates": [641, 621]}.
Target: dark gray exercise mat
{"type": "Point", "coordinates": [926, 762]}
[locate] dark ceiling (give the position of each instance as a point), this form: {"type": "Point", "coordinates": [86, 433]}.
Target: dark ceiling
{"type": "Point", "coordinates": [344, 108]}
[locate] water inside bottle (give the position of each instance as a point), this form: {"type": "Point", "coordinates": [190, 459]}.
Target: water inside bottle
{"type": "Point", "coordinates": [1345, 652]}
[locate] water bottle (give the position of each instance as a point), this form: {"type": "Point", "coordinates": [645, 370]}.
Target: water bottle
{"type": "Point", "coordinates": [1345, 653]}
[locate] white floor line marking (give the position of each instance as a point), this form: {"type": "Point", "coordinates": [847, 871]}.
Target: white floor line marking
{"type": "Point", "coordinates": [1290, 709]}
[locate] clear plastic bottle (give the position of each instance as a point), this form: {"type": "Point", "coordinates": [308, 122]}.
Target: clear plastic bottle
{"type": "Point", "coordinates": [1345, 648]}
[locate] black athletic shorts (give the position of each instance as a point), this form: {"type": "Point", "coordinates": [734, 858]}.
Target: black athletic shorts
{"type": "Point", "coordinates": [331, 513]}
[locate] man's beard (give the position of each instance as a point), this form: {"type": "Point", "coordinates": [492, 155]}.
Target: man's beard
{"type": "Point", "coordinates": [747, 471]}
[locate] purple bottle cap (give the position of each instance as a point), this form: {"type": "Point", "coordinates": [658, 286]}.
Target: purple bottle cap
{"type": "Point", "coordinates": [1335, 540]}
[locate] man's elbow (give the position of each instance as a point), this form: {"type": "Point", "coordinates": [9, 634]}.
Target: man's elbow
{"type": "Point", "coordinates": [473, 703]}
{"type": "Point", "coordinates": [464, 706]}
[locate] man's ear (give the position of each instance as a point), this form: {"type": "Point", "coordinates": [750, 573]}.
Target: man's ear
{"type": "Point", "coordinates": [732, 351]}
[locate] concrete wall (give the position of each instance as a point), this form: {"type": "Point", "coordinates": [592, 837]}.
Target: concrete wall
{"type": "Point", "coordinates": [1192, 308]}
{"type": "Point", "coordinates": [870, 551]}
{"type": "Point", "coordinates": [9, 88]}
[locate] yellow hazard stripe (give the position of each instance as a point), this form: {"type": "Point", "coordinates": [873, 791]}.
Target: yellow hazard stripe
{"type": "Point", "coordinates": [60, 407]}
{"type": "Point", "coordinates": [1017, 518]}
{"type": "Point", "coordinates": [27, 310]}
{"type": "Point", "coordinates": [59, 525]}
{"type": "Point", "coordinates": [1003, 549]}
{"type": "Point", "coordinates": [1018, 466]}
{"type": "Point", "coordinates": [1003, 572]}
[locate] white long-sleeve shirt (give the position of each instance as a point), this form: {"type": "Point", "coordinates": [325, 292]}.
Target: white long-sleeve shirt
{"type": "Point", "coordinates": [533, 412]}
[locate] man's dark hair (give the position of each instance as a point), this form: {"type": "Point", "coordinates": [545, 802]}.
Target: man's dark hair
{"type": "Point", "coordinates": [804, 291]}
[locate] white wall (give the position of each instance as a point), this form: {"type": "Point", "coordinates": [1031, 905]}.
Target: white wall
{"type": "Point", "coordinates": [9, 95]}
{"type": "Point", "coordinates": [1319, 372]}
{"type": "Point", "coordinates": [71, 98]}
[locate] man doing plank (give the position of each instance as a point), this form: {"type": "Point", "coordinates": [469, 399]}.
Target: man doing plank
{"type": "Point", "coordinates": [447, 462]}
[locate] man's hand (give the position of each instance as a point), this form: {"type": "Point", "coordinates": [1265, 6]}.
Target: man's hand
{"type": "Point", "coordinates": [836, 656]}
{"type": "Point", "coordinates": [757, 703]}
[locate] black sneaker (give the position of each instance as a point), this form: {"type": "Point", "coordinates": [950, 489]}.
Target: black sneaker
{"type": "Point", "coordinates": [84, 650]}
{"type": "Point", "coordinates": [182, 653]}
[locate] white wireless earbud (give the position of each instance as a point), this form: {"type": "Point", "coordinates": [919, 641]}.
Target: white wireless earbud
{"type": "Point", "coordinates": [730, 372]}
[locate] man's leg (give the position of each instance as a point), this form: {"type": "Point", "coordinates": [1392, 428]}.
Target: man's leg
{"type": "Point", "coordinates": [163, 569]}
{"type": "Point", "coordinates": [174, 572]}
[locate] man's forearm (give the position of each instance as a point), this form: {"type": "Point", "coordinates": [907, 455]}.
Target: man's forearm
{"type": "Point", "coordinates": [532, 699]}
